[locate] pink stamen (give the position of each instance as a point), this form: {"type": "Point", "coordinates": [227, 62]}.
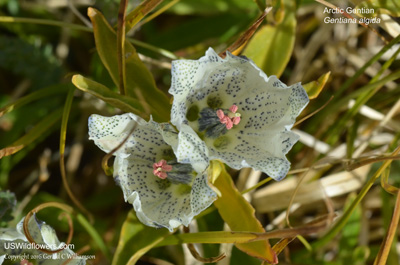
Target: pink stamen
{"type": "Point", "coordinates": [236, 120]}
{"type": "Point", "coordinates": [231, 119]}
{"type": "Point", "coordinates": [220, 114]}
{"type": "Point", "coordinates": [229, 124]}
{"type": "Point", "coordinates": [160, 168]}
{"type": "Point", "coordinates": [233, 108]}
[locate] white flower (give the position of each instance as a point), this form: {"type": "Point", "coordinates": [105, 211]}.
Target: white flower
{"type": "Point", "coordinates": [164, 192]}
{"type": "Point", "coordinates": [243, 116]}
{"type": "Point", "coordinates": [14, 245]}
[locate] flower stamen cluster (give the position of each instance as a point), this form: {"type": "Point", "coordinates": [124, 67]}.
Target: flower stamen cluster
{"type": "Point", "coordinates": [233, 117]}
{"type": "Point", "coordinates": [161, 168]}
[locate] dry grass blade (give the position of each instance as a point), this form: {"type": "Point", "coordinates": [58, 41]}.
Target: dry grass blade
{"type": "Point", "coordinates": [10, 150]}
{"type": "Point", "coordinates": [312, 227]}
{"type": "Point", "coordinates": [197, 255]}
{"type": "Point", "coordinates": [385, 183]}
{"type": "Point", "coordinates": [311, 192]}
{"type": "Point", "coordinates": [352, 164]}
{"type": "Point", "coordinates": [247, 35]}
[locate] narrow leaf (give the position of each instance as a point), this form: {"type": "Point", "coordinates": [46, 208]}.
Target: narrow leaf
{"type": "Point", "coordinates": [135, 240]}
{"type": "Point", "coordinates": [315, 87]}
{"type": "Point", "coordinates": [244, 236]}
{"type": "Point", "coordinates": [282, 244]}
{"type": "Point", "coordinates": [241, 217]}
{"type": "Point", "coordinates": [33, 134]}
{"type": "Point", "coordinates": [45, 92]}
{"type": "Point", "coordinates": [139, 81]}
{"type": "Point", "coordinates": [124, 103]}
{"type": "Point", "coordinates": [140, 11]}
{"type": "Point", "coordinates": [272, 45]}
{"type": "Point", "coordinates": [63, 137]}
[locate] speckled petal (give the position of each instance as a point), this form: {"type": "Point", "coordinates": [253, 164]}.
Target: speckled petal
{"type": "Point", "coordinates": [267, 108]}
{"type": "Point", "coordinates": [158, 202]}
{"type": "Point", "coordinates": [192, 150]}
{"type": "Point", "coordinates": [109, 132]}
{"type": "Point", "coordinates": [145, 143]}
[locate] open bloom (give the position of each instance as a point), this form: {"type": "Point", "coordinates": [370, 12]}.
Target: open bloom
{"type": "Point", "coordinates": [243, 116]}
{"type": "Point", "coordinates": [14, 246]}
{"type": "Point", "coordinates": [164, 191]}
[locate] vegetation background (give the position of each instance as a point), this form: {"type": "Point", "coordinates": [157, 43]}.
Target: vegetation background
{"type": "Point", "coordinates": [342, 169]}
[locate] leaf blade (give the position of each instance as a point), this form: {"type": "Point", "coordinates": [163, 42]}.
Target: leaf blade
{"type": "Point", "coordinates": [313, 88]}
{"type": "Point", "coordinates": [33, 134]}
{"type": "Point", "coordinates": [140, 83]}
{"type": "Point", "coordinates": [124, 103]}
{"type": "Point", "coordinates": [248, 222]}
{"type": "Point", "coordinates": [271, 47]}
{"type": "Point", "coordinates": [135, 240]}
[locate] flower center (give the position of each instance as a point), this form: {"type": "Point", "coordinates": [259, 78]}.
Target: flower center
{"type": "Point", "coordinates": [233, 117]}
{"type": "Point", "coordinates": [161, 168]}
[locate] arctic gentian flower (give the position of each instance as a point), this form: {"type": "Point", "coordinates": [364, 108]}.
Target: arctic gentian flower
{"type": "Point", "coordinates": [164, 192]}
{"type": "Point", "coordinates": [243, 116]}
{"type": "Point", "coordinates": [15, 247]}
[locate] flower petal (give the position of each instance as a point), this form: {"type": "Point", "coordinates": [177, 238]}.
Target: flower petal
{"type": "Point", "coordinates": [266, 109]}
{"type": "Point", "coordinates": [145, 143]}
{"type": "Point", "coordinates": [192, 150]}
{"type": "Point", "coordinates": [109, 132]}
{"type": "Point", "coordinates": [158, 202]}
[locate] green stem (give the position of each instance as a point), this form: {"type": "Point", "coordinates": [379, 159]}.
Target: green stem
{"type": "Point", "coordinates": [95, 236]}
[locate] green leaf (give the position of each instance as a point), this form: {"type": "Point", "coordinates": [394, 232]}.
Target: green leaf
{"type": "Point", "coordinates": [389, 7]}
{"type": "Point", "coordinates": [139, 81]}
{"type": "Point", "coordinates": [271, 46]}
{"type": "Point", "coordinates": [135, 240]}
{"type": "Point", "coordinates": [207, 7]}
{"type": "Point", "coordinates": [350, 232]}
{"type": "Point", "coordinates": [124, 103]}
{"type": "Point", "coordinates": [241, 217]}
{"type": "Point", "coordinates": [315, 87]}
{"type": "Point", "coordinates": [33, 134]}
{"type": "Point", "coordinates": [240, 258]}
{"type": "Point", "coordinates": [139, 12]}
{"type": "Point", "coordinates": [45, 92]}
